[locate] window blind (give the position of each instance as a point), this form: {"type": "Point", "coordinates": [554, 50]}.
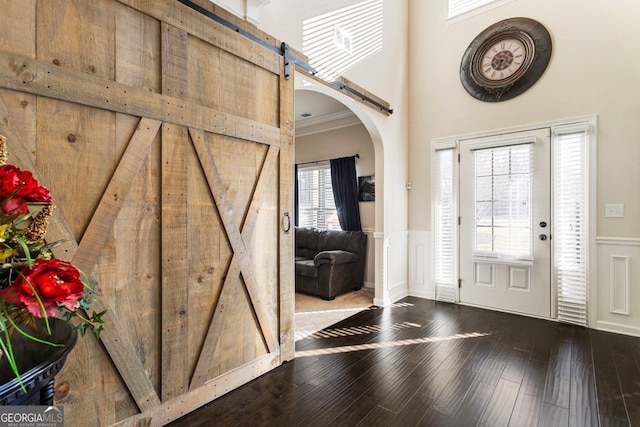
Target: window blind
{"type": "Point", "coordinates": [503, 201]}
{"type": "Point", "coordinates": [316, 207]}
{"type": "Point", "coordinates": [571, 223]}
{"type": "Point", "coordinates": [446, 271]}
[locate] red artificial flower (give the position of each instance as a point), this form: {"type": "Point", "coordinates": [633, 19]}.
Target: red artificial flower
{"type": "Point", "coordinates": [54, 281]}
{"type": "Point", "coordinates": [17, 188]}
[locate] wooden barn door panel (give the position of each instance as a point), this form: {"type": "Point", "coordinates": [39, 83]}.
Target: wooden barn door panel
{"type": "Point", "coordinates": [77, 34]}
{"type": "Point", "coordinates": [242, 179]}
{"type": "Point", "coordinates": [78, 141]}
{"type": "Point", "coordinates": [136, 249]}
{"type": "Point", "coordinates": [167, 143]}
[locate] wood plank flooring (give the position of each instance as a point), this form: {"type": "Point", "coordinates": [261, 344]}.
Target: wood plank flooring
{"type": "Point", "coordinates": [423, 363]}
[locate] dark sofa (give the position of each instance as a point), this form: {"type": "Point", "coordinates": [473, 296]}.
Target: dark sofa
{"type": "Point", "coordinates": [329, 262]}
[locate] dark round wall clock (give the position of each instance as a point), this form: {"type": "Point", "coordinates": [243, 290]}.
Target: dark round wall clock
{"type": "Point", "coordinates": [505, 59]}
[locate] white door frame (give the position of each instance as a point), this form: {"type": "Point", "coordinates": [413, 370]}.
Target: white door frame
{"type": "Point", "coordinates": [453, 141]}
{"type": "Point", "coordinates": [520, 282]}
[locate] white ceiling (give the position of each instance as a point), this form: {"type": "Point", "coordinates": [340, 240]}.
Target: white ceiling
{"type": "Point", "coordinates": [316, 104]}
{"type": "Point", "coordinates": [325, 113]}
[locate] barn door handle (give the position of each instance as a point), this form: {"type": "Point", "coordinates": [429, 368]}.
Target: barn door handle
{"type": "Point", "coordinates": [286, 223]}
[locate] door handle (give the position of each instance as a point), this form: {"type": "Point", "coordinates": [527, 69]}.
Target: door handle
{"type": "Point", "coordinates": [286, 223]}
{"type": "Point", "coordinates": [542, 237]}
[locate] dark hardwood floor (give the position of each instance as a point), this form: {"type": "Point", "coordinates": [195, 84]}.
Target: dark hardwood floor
{"type": "Point", "coordinates": [422, 363]}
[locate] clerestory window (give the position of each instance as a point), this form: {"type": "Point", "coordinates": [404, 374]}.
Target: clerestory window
{"type": "Point", "coordinates": [458, 8]}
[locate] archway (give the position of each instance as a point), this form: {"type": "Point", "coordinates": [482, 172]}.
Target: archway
{"type": "Point", "coordinates": [363, 113]}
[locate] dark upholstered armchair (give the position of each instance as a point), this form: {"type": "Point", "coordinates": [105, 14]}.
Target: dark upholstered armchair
{"type": "Point", "coordinates": [330, 262]}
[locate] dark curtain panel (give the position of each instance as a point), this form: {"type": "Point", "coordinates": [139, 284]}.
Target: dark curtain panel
{"type": "Point", "coordinates": [296, 216]}
{"type": "Point", "coordinates": [345, 192]}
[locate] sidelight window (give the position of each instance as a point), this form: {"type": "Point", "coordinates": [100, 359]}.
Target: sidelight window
{"type": "Point", "coordinates": [571, 222]}
{"type": "Point", "coordinates": [445, 224]}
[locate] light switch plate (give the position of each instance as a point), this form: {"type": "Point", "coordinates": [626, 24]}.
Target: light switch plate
{"type": "Point", "coordinates": [614, 211]}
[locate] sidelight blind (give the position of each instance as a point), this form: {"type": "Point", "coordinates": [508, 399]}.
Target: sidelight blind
{"type": "Point", "coordinates": [571, 223]}
{"type": "Point", "coordinates": [445, 217]}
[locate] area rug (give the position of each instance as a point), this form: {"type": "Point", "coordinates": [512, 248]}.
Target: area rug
{"type": "Point", "coordinates": [314, 313]}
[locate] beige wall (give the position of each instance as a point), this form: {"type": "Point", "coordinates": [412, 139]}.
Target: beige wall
{"type": "Point", "coordinates": [594, 69]}
{"type": "Point", "coordinates": [344, 142]}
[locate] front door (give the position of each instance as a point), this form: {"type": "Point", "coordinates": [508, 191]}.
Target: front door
{"type": "Point", "coordinates": [505, 208]}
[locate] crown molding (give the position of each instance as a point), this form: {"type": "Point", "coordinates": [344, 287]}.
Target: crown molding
{"type": "Point", "coordinates": [327, 122]}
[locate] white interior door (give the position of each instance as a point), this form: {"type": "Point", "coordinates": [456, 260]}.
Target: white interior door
{"type": "Point", "coordinates": [505, 211]}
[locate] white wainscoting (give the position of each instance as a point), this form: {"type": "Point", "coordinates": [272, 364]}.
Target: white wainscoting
{"type": "Point", "coordinates": [420, 269]}
{"type": "Point", "coordinates": [370, 270]}
{"type": "Point", "coordinates": [618, 285]}
{"type": "Point", "coordinates": [394, 271]}
{"type": "Point", "coordinates": [397, 266]}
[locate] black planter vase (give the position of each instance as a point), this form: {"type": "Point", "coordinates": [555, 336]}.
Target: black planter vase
{"type": "Point", "coordinates": [37, 363]}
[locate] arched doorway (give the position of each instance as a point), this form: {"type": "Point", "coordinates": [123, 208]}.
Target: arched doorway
{"type": "Point", "coordinates": [363, 114]}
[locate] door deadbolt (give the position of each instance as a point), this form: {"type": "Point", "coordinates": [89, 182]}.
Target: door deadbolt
{"type": "Point", "coordinates": [543, 224]}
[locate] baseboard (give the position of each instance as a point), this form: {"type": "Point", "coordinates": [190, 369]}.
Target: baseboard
{"type": "Point", "coordinates": [421, 293]}
{"type": "Point", "coordinates": [396, 293]}
{"type": "Point", "coordinates": [617, 328]}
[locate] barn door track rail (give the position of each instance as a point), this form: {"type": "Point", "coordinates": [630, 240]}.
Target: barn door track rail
{"type": "Point", "coordinates": [283, 50]}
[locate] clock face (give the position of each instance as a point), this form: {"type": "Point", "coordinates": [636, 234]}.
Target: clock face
{"type": "Point", "coordinates": [503, 59]}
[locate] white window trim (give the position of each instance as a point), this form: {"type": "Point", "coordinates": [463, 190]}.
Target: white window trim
{"type": "Point", "coordinates": [592, 121]}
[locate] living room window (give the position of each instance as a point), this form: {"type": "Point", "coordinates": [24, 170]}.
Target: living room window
{"type": "Point", "coordinates": [316, 207]}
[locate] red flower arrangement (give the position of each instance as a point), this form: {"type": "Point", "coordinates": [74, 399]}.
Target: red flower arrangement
{"type": "Point", "coordinates": [34, 284]}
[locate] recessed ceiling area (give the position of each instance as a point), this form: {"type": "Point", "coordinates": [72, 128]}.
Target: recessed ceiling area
{"type": "Point", "coordinates": [316, 112]}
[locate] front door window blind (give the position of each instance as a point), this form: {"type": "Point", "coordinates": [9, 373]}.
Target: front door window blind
{"type": "Point", "coordinates": [316, 207]}
{"type": "Point", "coordinates": [503, 201]}
{"type": "Point", "coordinates": [571, 223]}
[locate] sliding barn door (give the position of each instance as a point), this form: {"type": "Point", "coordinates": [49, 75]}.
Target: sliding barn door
{"type": "Point", "coordinates": [166, 140]}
